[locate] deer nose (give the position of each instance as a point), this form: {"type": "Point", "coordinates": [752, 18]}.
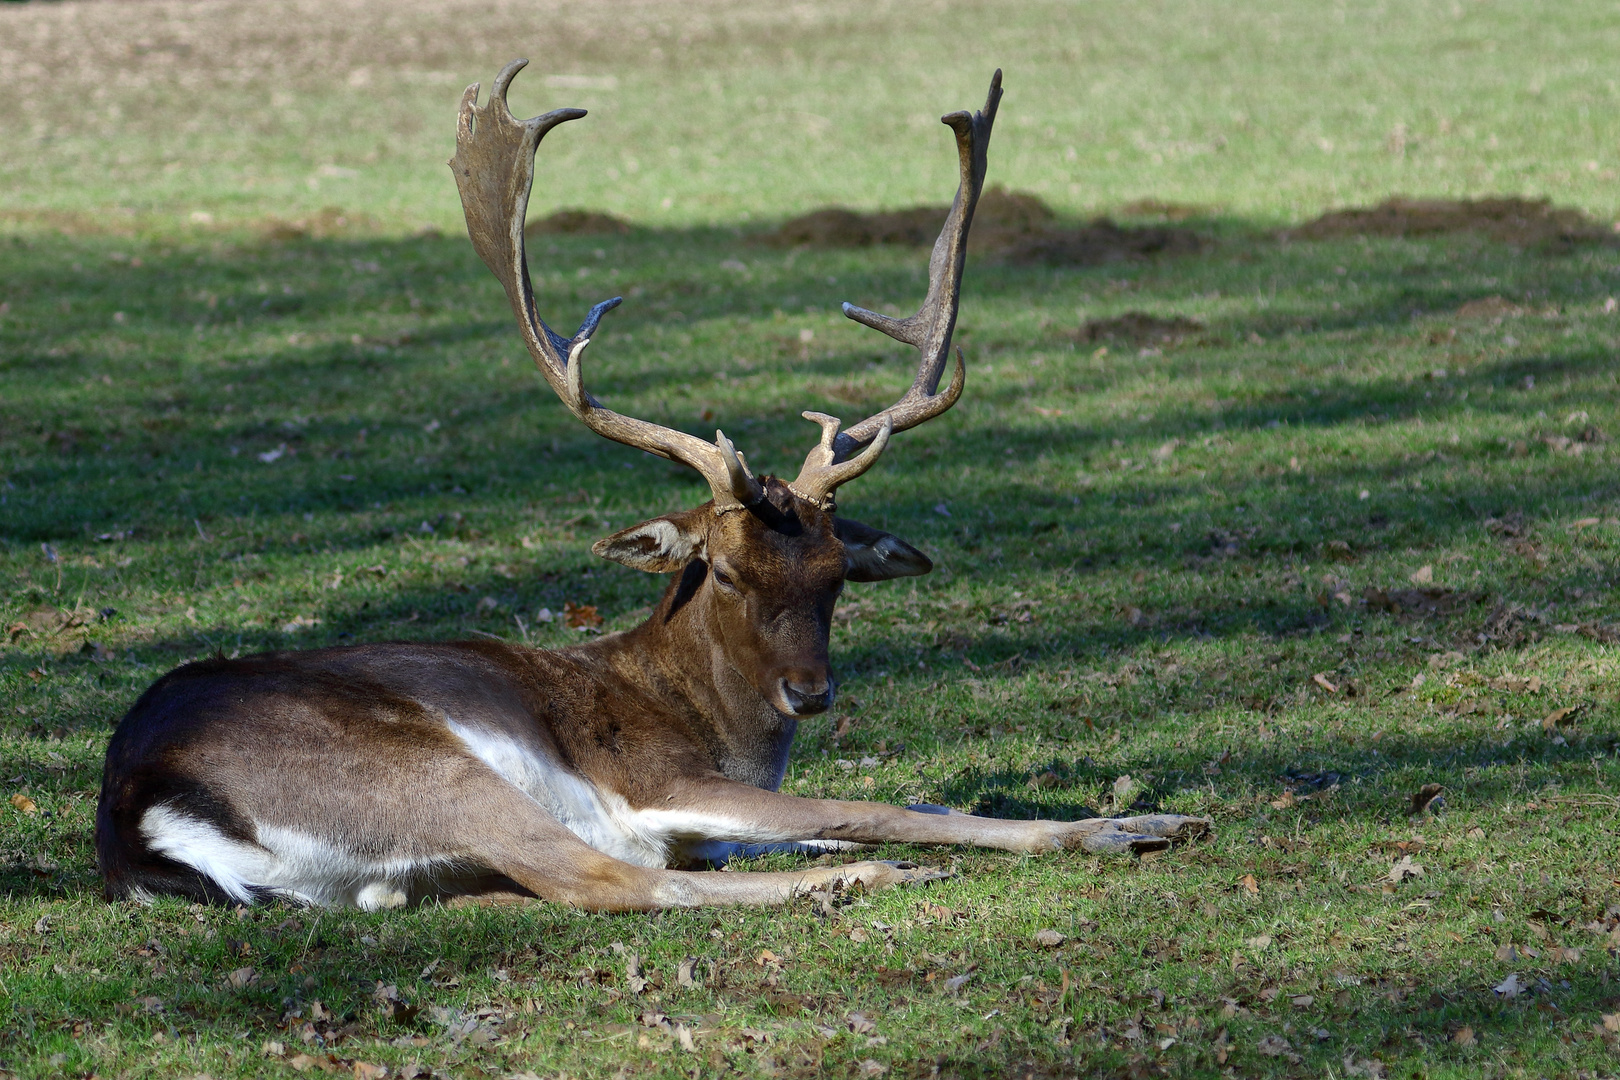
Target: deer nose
{"type": "Point", "coordinates": [806, 697]}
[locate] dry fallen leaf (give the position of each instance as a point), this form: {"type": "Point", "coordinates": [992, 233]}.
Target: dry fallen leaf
{"type": "Point", "coordinates": [241, 977]}
{"type": "Point", "coordinates": [1277, 1046]}
{"type": "Point", "coordinates": [24, 804]}
{"type": "Point", "coordinates": [872, 1067]}
{"type": "Point", "coordinates": [1558, 716]}
{"type": "Point", "coordinates": [1321, 679]}
{"type": "Point", "coordinates": [1372, 1068]}
{"type": "Point", "coordinates": [581, 617]}
{"type": "Point", "coordinates": [634, 980]}
{"type": "Point", "coordinates": [860, 1024]}
{"type": "Point", "coordinates": [1249, 885]}
{"type": "Point", "coordinates": [274, 1048]}
{"type": "Point", "coordinates": [683, 974]}
{"type": "Point", "coordinates": [1258, 944]}
{"type": "Point", "coordinates": [1340, 551]}
{"type": "Point", "coordinates": [1611, 1021]}
{"type": "Point", "coordinates": [1284, 801]}
{"type": "Point", "coordinates": [1049, 939]}
{"type": "Point", "coordinates": [365, 1070]}
{"type": "Point", "coordinates": [1425, 798]}
{"type": "Point", "coordinates": [1423, 575]}
{"type": "Point", "coordinates": [1509, 987]}
{"type": "Point", "coordinates": [1464, 1036]}
{"type": "Point", "coordinates": [1404, 869]}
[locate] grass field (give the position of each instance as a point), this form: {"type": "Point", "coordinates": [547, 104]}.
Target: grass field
{"type": "Point", "coordinates": [1352, 535]}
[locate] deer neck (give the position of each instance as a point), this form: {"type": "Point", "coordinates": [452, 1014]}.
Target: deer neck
{"type": "Point", "coordinates": [679, 656]}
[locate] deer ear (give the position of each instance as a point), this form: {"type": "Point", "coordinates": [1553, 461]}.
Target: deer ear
{"type": "Point", "coordinates": [658, 546]}
{"type": "Point", "coordinates": [874, 555]}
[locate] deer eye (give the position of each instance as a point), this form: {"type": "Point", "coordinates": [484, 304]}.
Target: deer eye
{"type": "Point", "coordinates": [724, 578]}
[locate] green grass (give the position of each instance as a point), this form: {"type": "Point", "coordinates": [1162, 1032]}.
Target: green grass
{"type": "Point", "coordinates": [1145, 558]}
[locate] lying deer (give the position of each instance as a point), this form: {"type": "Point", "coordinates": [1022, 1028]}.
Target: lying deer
{"type": "Point", "coordinates": [379, 775]}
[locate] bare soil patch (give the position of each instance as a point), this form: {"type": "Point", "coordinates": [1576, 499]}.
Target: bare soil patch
{"type": "Point", "coordinates": [1010, 226]}
{"type": "Point", "coordinates": [573, 222]}
{"type": "Point", "coordinates": [327, 222]}
{"type": "Point", "coordinates": [1421, 602]}
{"type": "Point", "coordinates": [1001, 212]}
{"type": "Point", "coordinates": [1521, 222]}
{"type": "Point", "coordinates": [1159, 208]}
{"type": "Point", "coordinates": [1488, 309]}
{"type": "Point", "coordinates": [1138, 328]}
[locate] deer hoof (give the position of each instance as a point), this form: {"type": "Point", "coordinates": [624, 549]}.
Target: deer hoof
{"type": "Point", "coordinates": [1137, 835]}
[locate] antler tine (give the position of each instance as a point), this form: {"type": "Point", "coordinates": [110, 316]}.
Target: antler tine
{"type": "Point", "coordinates": [494, 170]}
{"type": "Point", "coordinates": [929, 329]}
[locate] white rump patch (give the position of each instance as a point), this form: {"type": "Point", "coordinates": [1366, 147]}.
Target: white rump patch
{"type": "Point", "coordinates": [230, 864]}
{"type": "Point", "coordinates": [285, 862]}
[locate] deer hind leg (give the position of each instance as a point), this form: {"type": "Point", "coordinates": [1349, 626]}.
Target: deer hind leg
{"type": "Point", "coordinates": [546, 859]}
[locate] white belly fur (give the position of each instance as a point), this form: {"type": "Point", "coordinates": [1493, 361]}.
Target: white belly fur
{"type": "Point", "coordinates": [601, 819]}
{"type": "Point", "coordinates": [606, 822]}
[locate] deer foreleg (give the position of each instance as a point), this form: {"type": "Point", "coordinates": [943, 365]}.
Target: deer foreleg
{"type": "Point", "coordinates": [719, 809]}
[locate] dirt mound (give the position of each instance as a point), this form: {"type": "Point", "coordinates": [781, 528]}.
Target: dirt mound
{"type": "Point", "coordinates": [1138, 328]}
{"type": "Point", "coordinates": [577, 223]}
{"type": "Point", "coordinates": [1159, 208]}
{"type": "Point", "coordinates": [1522, 222]}
{"type": "Point", "coordinates": [1489, 309]}
{"type": "Point", "coordinates": [1018, 211]}
{"type": "Point", "coordinates": [1099, 242]}
{"type": "Point", "coordinates": [1000, 212]}
{"type": "Point", "coordinates": [1428, 602]}
{"type": "Point", "coordinates": [327, 222]}
{"type": "Point", "coordinates": [1012, 226]}
{"type": "Point", "coordinates": [838, 227]}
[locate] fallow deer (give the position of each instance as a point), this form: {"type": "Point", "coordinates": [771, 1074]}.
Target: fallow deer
{"type": "Point", "coordinates": [383, 774]}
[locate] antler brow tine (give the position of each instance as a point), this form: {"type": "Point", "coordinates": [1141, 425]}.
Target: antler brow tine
{"type": "Point", "coordinates": [494, 171]}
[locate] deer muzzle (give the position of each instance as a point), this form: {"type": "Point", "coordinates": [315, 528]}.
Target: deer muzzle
{"type": "Point", "coordinates": [804, 693]}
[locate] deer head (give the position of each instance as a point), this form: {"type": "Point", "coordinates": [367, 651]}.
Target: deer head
{"type": "Point", "coordinates": [762, 563]}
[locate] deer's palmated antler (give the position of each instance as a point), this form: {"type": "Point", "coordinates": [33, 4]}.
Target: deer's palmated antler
{"type": "Point", "coordinates": [494, 169]}
{"type": "Point", "coordinates": [840, 458]}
